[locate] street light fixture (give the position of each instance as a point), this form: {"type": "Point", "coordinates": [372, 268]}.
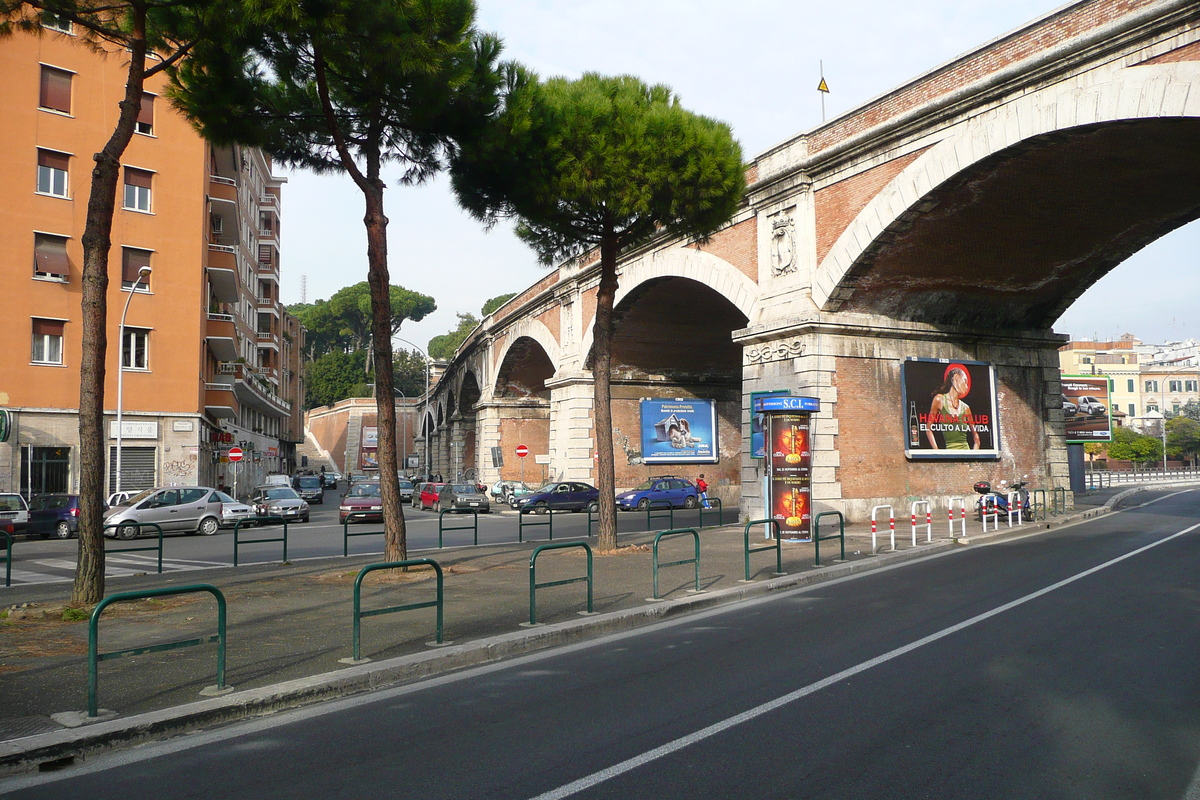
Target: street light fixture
{"type": "Point", "coordinates": [428, 466]}
{"type": "Point", "coordinates": [143, 273]}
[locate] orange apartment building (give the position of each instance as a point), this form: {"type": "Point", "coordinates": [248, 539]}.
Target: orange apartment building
{"type": "Point", "coordinates": [210, 359]}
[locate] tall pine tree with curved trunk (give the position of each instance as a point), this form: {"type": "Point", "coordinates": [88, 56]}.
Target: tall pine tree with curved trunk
{"type": "Point", "coordinates": [349, 86]}
{"type": "Point", "coordinates": [600, 164]}
{"type": "Point", "coordinates": [119, 29]}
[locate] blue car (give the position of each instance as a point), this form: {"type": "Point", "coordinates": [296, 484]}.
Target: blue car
{"type": "Point", "coordinates": [679, 492]}
{"type": "Point", "coordinates": [563, 496]}
{"type": "Point", "coordinates": [54, 515]}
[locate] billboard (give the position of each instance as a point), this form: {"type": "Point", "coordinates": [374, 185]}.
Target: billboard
{"type": "Point", "coordinates": [1087, 400]}
{"type": "Point", "coordinates": [679, 431]}
{"type": "Point", "coordinates": [789, 470]}
{"type": "Point", "coordinates": [949, 409]}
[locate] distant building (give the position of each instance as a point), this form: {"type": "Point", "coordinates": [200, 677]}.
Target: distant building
{"type": "Point", "coordinates": [1145, 378]}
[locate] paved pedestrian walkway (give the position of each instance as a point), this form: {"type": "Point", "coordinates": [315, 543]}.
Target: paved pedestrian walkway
{"type": "Point", "coordinates": [289, 628]}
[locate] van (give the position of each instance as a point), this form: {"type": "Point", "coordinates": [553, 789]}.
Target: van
{"type": "Point", "coordinates": [277, 479]}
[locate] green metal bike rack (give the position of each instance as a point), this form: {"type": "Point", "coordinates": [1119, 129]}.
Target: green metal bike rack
{"type": "Point", "coordinates": [359, 613]}
{"type": "Point", "coordinates": [694, 560]}
{"type": "Point", "coordinates": [777, 546]}
{"type": "Point", "coordinates": [474, 526]}
{"type": "Point", "coordinates": [1059, 501]}
{"type": "Point", "coordinates": [139, 526]}
{"type": "Point", "coordinates": [9, 539]}
{"type": "Point", "coordinates": [346, 534]}
{"type": "Point", "coordinates": [650, 515]}
{"type": "Point", "coordinates": [522, 524]}
{"type": "Point", "coordinates": [711, 501]}
{"type": "Point", "coordinates": [95, 657]}
{"type": "Point", "coordinates": [840, 535]}
{"type": "Point", "coordinates": [593, 515]}
{"type": "Point", "coordinates": [259, 520]}
{"type": "Point", "coordinates": [534, 585]}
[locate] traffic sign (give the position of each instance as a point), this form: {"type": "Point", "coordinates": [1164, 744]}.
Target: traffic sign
{"type": "Point", "coordinates": [235, 454]}
{"type": "Point", "coordinates": [522, 451]}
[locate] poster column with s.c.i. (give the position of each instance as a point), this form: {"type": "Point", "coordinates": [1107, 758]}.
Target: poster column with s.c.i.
{"type": "Point", "coordinates": [789, 438]}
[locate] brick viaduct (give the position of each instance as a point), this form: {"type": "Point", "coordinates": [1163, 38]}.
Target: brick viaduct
{"type": "Point", "coordinates": [955, 217]}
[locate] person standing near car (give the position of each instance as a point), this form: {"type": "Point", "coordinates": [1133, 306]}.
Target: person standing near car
{"type": "Point", "coordinates": [702, 488]}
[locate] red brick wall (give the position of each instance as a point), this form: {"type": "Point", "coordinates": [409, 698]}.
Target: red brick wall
{"type": "Point", "coordinates": [552, 319]}
{"type": "Point", "coordinates": [1051, 33]}
{"type": "Point", "coordinates": [330, 432]}
{"type": "Point", "coordinates": [1189, 52]}
{"type": "Point", "coordinates": [838, 204]}
{"type": "Point", "coordinates": [737, 245]}
{"type": "Point", "coordinates": [534, 434]}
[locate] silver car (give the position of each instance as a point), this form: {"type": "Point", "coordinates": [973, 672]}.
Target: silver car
{"type": "Point", "coordinates": [191, 509]}
{"type": "Point", "coordinates": [462, 497]}
{"type": "Point", "coordinates": [232, 511]}
{"type": "Point", "coordinates": [279, 501]}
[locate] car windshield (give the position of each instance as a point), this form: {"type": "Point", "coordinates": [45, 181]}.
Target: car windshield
{"type": "Point", "coordinates": [462, 488]}
{"type": "Point", "coordinates": [137, 498]}
{"type": "Point", "coordinates": [646, 485]}
{"type": "Point", "coordinates": [406, 484]}
{"type": "Point", "coordinates": [364, 490]}
{"type": "Point", "coordinates": [549, 487]}
{"type": "Point", "coordinates": [49, 502]}
{"type": "Point", "coordinates": [309, 482]}
{"type": "Point", "coordinates": [281, 493]}
{"type": "Point", "coordinates": [10, 502]}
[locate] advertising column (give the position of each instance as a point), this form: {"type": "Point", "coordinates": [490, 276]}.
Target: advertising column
{"type": "Point", "coordinates": [788, 435]}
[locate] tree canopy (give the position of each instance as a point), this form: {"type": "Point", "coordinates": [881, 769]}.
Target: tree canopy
{"type": "Point", "coordinates": [496, 302]}
{"type": "Point", "coordinates": [1129, 445]}
{"type": "Point", "coordinates": [343, 322]}
{"type": "Point", "coordinates": [442, 348]}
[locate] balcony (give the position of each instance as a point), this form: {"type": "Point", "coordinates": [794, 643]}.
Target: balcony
{"type": "Point", "coordinates": [251, 388]}
{"type": "Point", "coordinates": [222, 188]}
{"type": "Point", "coordinates": [223, 280]}
{"type": "Point", "coordinates": [268, 339]}
{"type": "Point", "coordinates": [220, 400]}
{"type": "Point", "coordinates": [221, 335]}
{"type": "Point", "coordinates": [268, 305]}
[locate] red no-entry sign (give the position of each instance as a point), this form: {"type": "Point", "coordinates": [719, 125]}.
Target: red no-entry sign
{"type": "Point", "coordinates": [235, 454]}
{"type": "Point", "coordinates": [522, 451]}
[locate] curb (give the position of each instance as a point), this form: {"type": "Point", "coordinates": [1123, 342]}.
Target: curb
{"type": "Point", "coordinates": [60, 748]}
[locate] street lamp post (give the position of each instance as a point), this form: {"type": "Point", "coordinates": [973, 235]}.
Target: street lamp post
{"type": "Point", "coordinates": [428, 466]}
{"type": "Point", "coordinates": [143, 273]}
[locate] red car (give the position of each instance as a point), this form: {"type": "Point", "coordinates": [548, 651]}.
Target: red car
{"type": "Point", "coordinates": [361, 503]}
{"type": "Point", "coordinates": [429, 494]}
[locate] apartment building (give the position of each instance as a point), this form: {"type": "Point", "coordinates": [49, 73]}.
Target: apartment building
{"type": "Point", "coordinates": [1142, 385]}
{"type": "Point", "coordinates": [209, 359]}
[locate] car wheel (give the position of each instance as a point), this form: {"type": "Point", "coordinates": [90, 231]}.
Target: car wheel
{"type": "Point", "coordinates": [541, 508]}
{"type": "Point", "coordinates": [208, 526]}
{"type": "Point", "coordinates": [127, 532]}
{"type": "Point", "coordinates": [690, 501]}
{"type": "Point", "coordinates": [593, 507]}
{"type": "Point", "coordinates": [643, 504]}
{"type": "Point", "coordinates": [62, 530]}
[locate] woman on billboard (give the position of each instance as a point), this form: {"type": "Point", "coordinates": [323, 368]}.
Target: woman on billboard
{"type": "Point", "coordinates": [949, 413]}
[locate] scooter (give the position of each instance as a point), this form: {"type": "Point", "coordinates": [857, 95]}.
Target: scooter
{"type": "Point", "coordinates": [990, 498]}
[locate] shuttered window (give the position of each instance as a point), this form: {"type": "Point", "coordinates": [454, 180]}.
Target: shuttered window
{"type": "Point", "coordinates": [137, 189]}
{"type": "Point", "coordinates": [55, 90]}
{"type": "Point", "coordinates": [145, 120]}
{"type": "Point", "coordinates": [50, 256]}
{"type": "Point", "coordinates": [47, 341]}
{"type": "Point", "coordinates": [132, 261]}
{"type": "Point", "coordinates": [52, 172]}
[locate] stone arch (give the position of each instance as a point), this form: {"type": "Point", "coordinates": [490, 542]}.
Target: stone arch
{"type": "Point", "coordinates": [469, 393]}
{"type": "Point", "coordinates": [526, 328]}
{"type": "Point", "coordinates": [524, 369]}
{"type": "Point", "coordinates": [682, 262]}
{"type": "Point", "coordinates": [1159, 94]}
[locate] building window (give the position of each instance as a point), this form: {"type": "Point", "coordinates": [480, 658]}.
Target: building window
{"type": "Point", "coordinates": [56, 22]}
{"type": "Point", "coordinates": [145, 120]}
{"type": "Point", "coordinates": [132, 261]}
{"type": "Point", "coordinates": [137, 189]}
{"type": "Point", "coordinates": [56, 90]}
{"type": "Point", "coordinates": [135, 348]}
{"type": "Point", "coordinates": [45, 470]}
{"type": "Point", "coordinates": [47, 341]}
{"type": "Point", "coordinates": [1174, 386]}
{"type": "Point", "coordinates": [1190, 386]}
{"type": "Point", "coordinates": [1151, 386]}
{"type": "Point", "coordinates": [1129, 385]}
{"type": "Point", "coordinates": [1132, 410]}
{"type": "Point", "coordinates": [50, 257]}
{"type": "Point", "coordinates": [52, 172]}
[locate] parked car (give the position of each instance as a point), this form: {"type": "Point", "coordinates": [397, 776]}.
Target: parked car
{"type": "Point", "coordinates": [331, 479]}
{"type": "Point", "coordinates": [430, 492]}
{"type": "Point", "coordinates": [415, 501]}
{"type": "Point", "coordinates": [232, 511]}
{"type": "Point", "coordinates": [563, 496]}
{"type": "Point", "coordinates": [1091, 406]}
{"type": "Point", "coordinates": [279, 501]}
{"type": "Point", "coordinates": [362, 502]}
{"type": "Point", "coordinates": [309, 488]}
{"type": "Point", "coordinates": [120, 498]}
{"type": "Point", "coordinates": [463, 497]}
{"type": "Point", "coordinates": [406, 490]}
{"type": "Point", "coordinates": [505, 491]}
{"type": "Point", "coordinates": [679, 492]}
{"type": "Point", "coordinates": [54, 515]}
{"type": "Point", "coordinates": [14, 509]}
{"type": "Point", "coordinates": [191, 509]}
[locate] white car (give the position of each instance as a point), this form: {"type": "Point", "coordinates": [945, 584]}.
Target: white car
{"type": "Point", "coordinates": [14, 509]}
{"type": "Point", "coordinates": [232, 511]}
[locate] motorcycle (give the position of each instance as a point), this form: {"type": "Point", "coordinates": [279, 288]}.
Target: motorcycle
{"type": "Point", "coordinates": [997, 499]}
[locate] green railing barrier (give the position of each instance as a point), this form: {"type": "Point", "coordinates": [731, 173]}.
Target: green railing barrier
{"type": "Point", "coordinates": [650, 515]}
{"type": "Point", "coordinates": [138, 526]}
{"type": "Point", "coordinates": [694, 560]}
{"type": "Point", "coordinates": [711, 501]}
{"type": "Point", "coordinates": [346, 534]}
{"type": "Point", "coordinates": [95, 657]}
{"type": "Point", "coordinates": [259, 520]}
{"type": "Point", "coordinates": [593, 515]}
{"type": "Point", "coordinates": [534, 585]}
{"type": "Point", "coordinates": [359, 613]}
{"type": "Point", "coordinates": [1037, 508]}
{"type": "Point", "coordinates": [818, 538]}
{"type": "Point", "coordinates": [522, 524]}
{"type": "Point", "coordinates": [9, 539]}
{"type": "Point", "coordinates": [474, 526]}
{"type": "Point", "coordinates": [777, 546]}
{"type": "Point", "coordinates": [1059, 501]}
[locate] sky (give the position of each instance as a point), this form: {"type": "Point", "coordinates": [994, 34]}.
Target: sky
{"type": "Point", "coordinates": [754, 65]}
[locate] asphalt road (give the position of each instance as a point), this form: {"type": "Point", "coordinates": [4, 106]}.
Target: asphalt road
{"type": "Point", "coordinates": [1055, 665]}
{"type": "Point", "coordinates": [53, 561]}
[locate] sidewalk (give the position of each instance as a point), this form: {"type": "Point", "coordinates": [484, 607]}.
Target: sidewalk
{"type": "Point", "coordinates": [289, 626]}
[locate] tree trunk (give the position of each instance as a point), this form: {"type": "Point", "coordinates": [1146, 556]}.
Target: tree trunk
{"type": "Point", "coordinates": [395, 540]}
{"type": "Point", "coordinates": [602, 333]}
{"type": "Point", "coordinates": [96, 240]}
